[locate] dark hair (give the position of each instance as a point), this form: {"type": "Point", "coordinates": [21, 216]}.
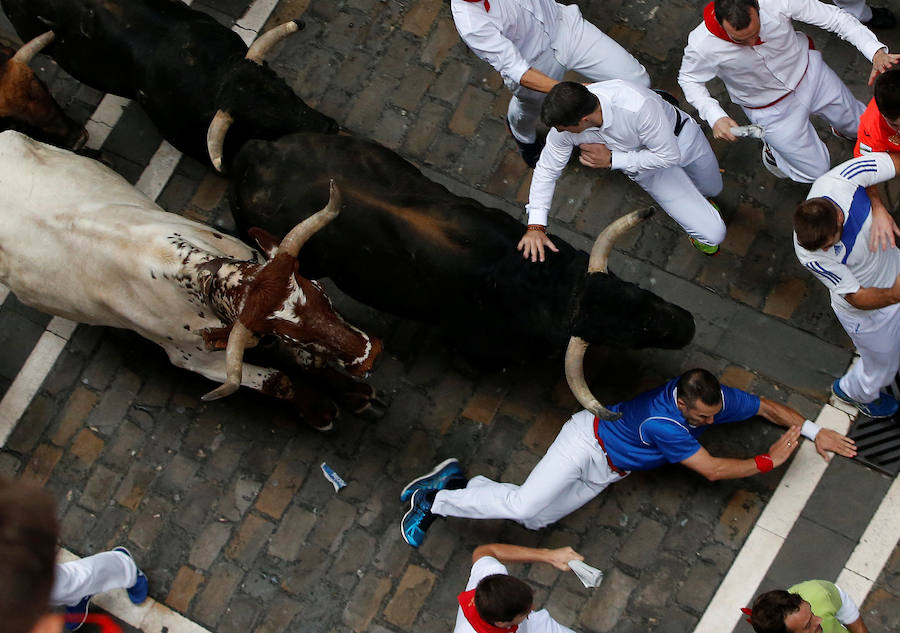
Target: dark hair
{"type": "Point", "coordinates": [699, 384]}
{"type": "Point", "coordinates": [771, 608]}
{"type": "Point", "coordinates": [502, 598]}
{"type": "Point", "coordinates": [736, 12]}
{"type": "Point", "coordinates": [887, 93]}
{"type": "Point", "coordinates": [814, 223]}
{"type": "Point", "coordinates": [566, 103]}
{"type": "Point", "coordinates": [27, 553]}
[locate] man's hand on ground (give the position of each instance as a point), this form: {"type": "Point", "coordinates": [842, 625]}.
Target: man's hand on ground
{"type": "Point", "coordinates": [532, 245]}
{"type": "Point", "coordinates": [828, 441]}
{"type": "Point", "coordinates": [722, 129]}
{"type": "Point", "coordinates": [784, 446]}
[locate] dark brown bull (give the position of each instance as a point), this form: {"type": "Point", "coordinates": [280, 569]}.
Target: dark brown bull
{"type": "Point", "coordinates": [25, 103]}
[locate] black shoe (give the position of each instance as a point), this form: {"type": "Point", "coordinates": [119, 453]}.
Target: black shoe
{"type": "Point", "coordinates": [530, 152]}
{"type": "Point", "coordinates": [882, 18]}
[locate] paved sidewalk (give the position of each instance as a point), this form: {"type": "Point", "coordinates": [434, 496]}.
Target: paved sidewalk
{"type": "Point", "coordinates": [223, 503]}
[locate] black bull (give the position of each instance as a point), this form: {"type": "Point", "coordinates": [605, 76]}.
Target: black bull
{"type": "Point", "coordinates": [179, 64]}
{"type": "Point", "coordinates": [408, 246]}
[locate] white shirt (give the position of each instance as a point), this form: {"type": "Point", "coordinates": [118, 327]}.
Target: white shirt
{"type": "Point", "coordinates": [536, 622]}
{"type": "Point", "coordinates": [511, 36]}
{"type": "Point", "coordinates": [849, 265]}
{"type": "Point", "coordinates": [638, 126]}
{"type": "Point", "coordinates": [758, 75]}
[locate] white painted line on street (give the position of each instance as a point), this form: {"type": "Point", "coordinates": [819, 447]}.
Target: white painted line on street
{"type": "Point", "coordinates": [104, 118]}
{"type": "Point", "coordinates": [30, 377]}
{"type": "Point", "coordinates": [158, 171]}
{"type": "Point", "coordinates": [254, 18]}
{"type": "Point", "coordinates": [874, 548]}
{"type": "Point", "coordinates": [150, 616]}
{"type": "Point", "coordinates": [771, 529]}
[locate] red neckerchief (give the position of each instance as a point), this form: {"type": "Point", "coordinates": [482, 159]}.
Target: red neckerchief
{"type": "Point", "coordinates": [487, 5]}
{"type": "Point", "coordinates": [467, 601]}
{"type": "Point", "coordinates": [713, 26]}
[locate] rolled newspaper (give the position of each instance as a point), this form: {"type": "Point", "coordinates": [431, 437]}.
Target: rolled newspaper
{"type": "Point", "coordinates": [589, 576]}
{"type": "Point", "coordinates": [750, 131]}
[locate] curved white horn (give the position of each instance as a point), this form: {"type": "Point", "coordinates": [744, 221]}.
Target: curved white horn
{"type": "Point", "coordinates": [604, 243]}
{"type": "Point", "coordinates": [262, 45]}
{"type": "Point", "coordinates": [238, 339]}
{"type": "Point", "coordinates": [25, 54]}
{"type": "Point", "coordinates": [577, 383]}
{"type": "Point", "coordinates": [294, 241]}
{"type": "Point", "coordinates": [215, 137]}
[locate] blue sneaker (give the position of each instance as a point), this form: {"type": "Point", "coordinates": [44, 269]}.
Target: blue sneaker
{"type": "Point", "coordinates": [77, 614]}
{"type": "Point", "coordinates": [884, 407]}
{"type": "Point", "coordinates": [416, 521]}
{"type": "Point", "coordinates": [137, 592]}
{"type": "Point", "coordinates": [437, 479]}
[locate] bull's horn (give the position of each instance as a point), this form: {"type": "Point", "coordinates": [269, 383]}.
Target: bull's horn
{"type": "Point", "coordinates": [577, 383]}
{"type": "Point", "coordinates": [604, 243]}
{"type": "Point", "coordinates": [294, 241]}
{"type": "Point", "coordinates": [262, 45]}
{"type": "Point", "coordinates": [239, 339]}
{"type": "Point", "coordinates": [215, 137]}
{"type": "Point", "coordinates": [25, 54]}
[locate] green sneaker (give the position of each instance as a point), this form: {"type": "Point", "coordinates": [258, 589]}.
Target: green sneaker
{"type": "Point", "coordinates": [707, 249]}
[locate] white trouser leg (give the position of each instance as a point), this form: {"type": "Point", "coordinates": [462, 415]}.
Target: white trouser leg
{"type": "Point", "coordinates": [573, 472]}
{"type": "Point", "coordinates": [682, 191]}
{"type": "Point", "coordinates": [91, 575]}
{"type": "Point", "coordinates": [798, 150]}
{"type": "Point", "coordinates": [879, 354]}
{"type": "Point", "coordinates": [857, 8]}
{"type": "Point", "coordinates": [582, 47]}
{"type": "Point", "coordinates": [829, 98]}
{"type": "Point", "coordinates": [577, 45]}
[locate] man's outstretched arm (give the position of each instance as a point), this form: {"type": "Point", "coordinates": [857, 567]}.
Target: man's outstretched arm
{"type": "Point", "coordinates": [559, 557]}
{"type": "Point", "coordinates": [826, 440]}
{"type": "Point", "coordinates": [715, 468]}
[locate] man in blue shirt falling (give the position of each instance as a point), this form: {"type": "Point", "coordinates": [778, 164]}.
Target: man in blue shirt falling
{"type": "Point", "coordinates": [657, 427]}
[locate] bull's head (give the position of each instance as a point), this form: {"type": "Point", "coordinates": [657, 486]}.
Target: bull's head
{"type": "Point", "coordinates": [27, 106]}
{"type": "Point", "coordinates": [638, 317]}
{"type": "Point", "coordinates": [250, 91]}
{"type": "Point", "coordinates": [294, 309]}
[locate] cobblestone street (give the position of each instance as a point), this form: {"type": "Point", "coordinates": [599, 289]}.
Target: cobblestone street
{"type": "Point", "coordinates": [223, 503]}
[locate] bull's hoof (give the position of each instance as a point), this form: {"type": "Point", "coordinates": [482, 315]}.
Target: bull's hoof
{"type": "Point", "coordinates": [373, 409]}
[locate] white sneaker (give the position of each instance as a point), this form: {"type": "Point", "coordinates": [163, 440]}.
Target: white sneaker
{"type": "Point", "coordinates": [768, 161]}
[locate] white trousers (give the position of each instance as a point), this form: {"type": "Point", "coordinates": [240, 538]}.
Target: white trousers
{"type": "Point", "coordinates": [682, 191]}
{"type": "Point", "coordinates": [573, 472]}
{"type": "Point", "coordinates": [91, 575]}
{"type": "Point", "coordinates": [580, 46]}
{"type": "Point", "coordinates": [857, 8]}
{"type": "Point", "coordinates": [798, 150]}
{"type": "Point", "coordinates": [877, 339]}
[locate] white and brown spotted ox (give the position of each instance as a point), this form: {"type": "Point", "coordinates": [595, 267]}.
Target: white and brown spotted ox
{"type": "Point", "coordinates": [78, 241]}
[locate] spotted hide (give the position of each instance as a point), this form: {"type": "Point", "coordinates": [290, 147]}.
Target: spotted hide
{"type": "Point", "coordinates": [78, 241]}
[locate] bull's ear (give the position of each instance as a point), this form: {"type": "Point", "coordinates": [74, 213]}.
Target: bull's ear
{"type": "Point", "coordinates": [267, 242]}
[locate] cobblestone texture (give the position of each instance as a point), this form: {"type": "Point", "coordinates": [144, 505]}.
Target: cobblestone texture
{"type": "Point", "coordinates": [223, 504]}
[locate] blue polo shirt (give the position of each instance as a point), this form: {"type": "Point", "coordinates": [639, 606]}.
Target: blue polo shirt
{"type": "Point", "coordinates": [652, 432]}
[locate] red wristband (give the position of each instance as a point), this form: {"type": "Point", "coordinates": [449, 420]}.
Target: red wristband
{"type": "Point", "coordinates": [537, 227]}
{"type": "Point", "coordinates": [764, 463]}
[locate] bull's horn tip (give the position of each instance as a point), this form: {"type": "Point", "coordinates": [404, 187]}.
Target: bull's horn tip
{"type": "Point", "coordinates": [647, 212]}
{"type": "Point", "coordinates": [300, 24]}
{"type": "Point", "coordinates": [605, 414]}
{"type": "Point", "coordinates": [217, 163]}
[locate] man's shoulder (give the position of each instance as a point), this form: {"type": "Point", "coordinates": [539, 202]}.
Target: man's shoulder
{"type": "Point", "coordinates": [483, 567]}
